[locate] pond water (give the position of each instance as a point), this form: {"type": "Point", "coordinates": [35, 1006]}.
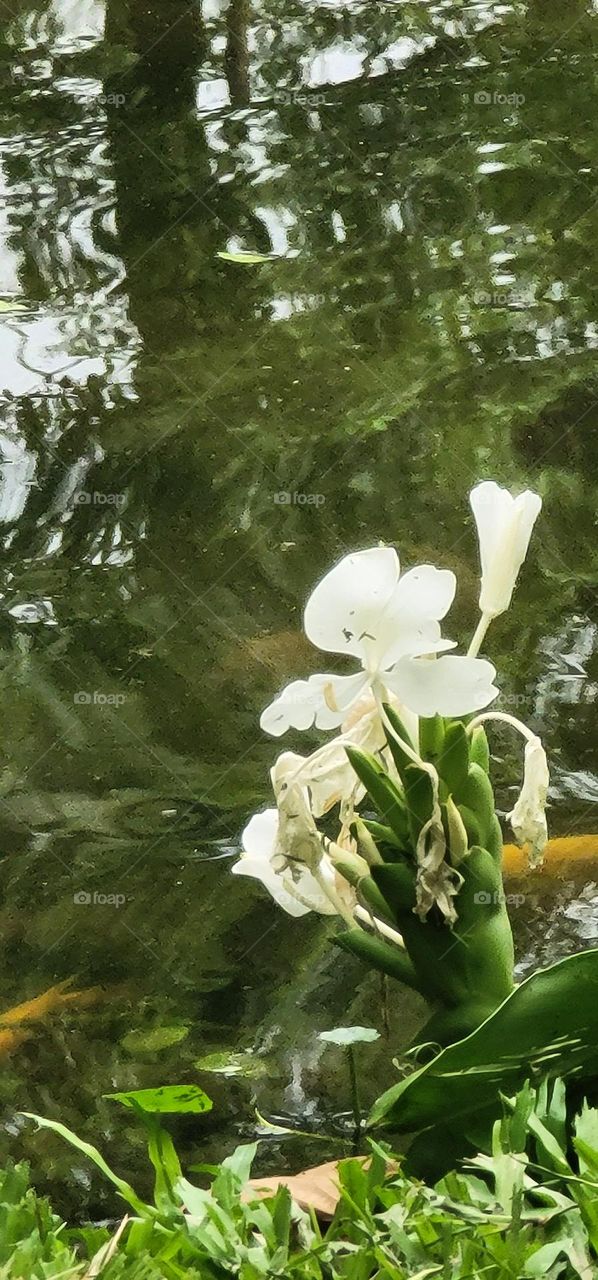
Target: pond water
{"type": "Point", "coordinates": [188, 442]}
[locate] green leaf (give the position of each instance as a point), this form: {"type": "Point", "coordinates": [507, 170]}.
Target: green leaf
{"type": "Point", "coordinates": [541, 1261]}
{"type": "Point", "coordinates": [226, 1062]}
{"type": "Point", "coordinates": [585, 1141]}
{"type": "Point", "coordinates": [431, 737]}
{"type": "Point", "coordinates": [155, 1039]}
{"type": "Point", "coordinates": [479, 751]}
{"type": "Point", "coordinates": [383, 793]}
{"type": "Point", "coordinates": [400, 757]}
{"type": "Point", "coordinates": [419, 797]}
{"type": "Point", "coordinates": [166, 1164]}
{"type": "Point", "coordinates": [453, 763]}
{"type": "Point", "coordinates": [92, 1153]}
{"type": "Point", "coordinates": [477, 795]}
{"type": "Point", "coordinates": [383, 956]}
{"type": "Point", "coordinates": [350, 1035]}
{"type": "Point", "coordinates": [177, 1099]}
{"type": "Point", "coordinates": [548, 1026]}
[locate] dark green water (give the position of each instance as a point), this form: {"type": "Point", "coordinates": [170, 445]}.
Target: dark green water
{"type": "Point", "coordinates": [424, 176]}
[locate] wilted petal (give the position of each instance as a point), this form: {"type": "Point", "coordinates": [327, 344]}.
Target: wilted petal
{"type": "Point", "coordinates": [344, 611]}
{"type": "Point", "coordinates": [446, 686]}
{"type": "Point", "coordinates": [528, 818]}
{"type": "Point", "coordinates": [327, 773]}
{"type": "Point", "coordinates": [294, 889]}
{"type": "Point", "coordinates": [504, 526]}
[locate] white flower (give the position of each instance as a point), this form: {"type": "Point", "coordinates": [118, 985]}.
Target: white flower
{"type": "Point", "coordinates": [528, 818]}
{"type": "Point", "coordinates": [504, 525]}
{"type": "Point", "coordinates": [364, 607]}
{"type": "Point", "coordinates": [293, 888]}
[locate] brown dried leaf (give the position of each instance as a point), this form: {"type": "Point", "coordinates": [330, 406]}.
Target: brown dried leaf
{"type": "Point", "coordinates": [315, 1188]}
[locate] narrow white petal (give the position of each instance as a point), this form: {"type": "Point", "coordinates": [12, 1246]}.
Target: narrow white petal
{"type": "Point", "coordinates": [446, 686]}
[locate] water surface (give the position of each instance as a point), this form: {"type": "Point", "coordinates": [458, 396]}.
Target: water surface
{"type": "Point", "coordinates": [187, 443]}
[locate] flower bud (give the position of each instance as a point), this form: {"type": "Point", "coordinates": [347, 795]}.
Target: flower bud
{"type": "Point", "coordinates": [457, 834]}
{"type": "Point", "coordinates": [504, 525]}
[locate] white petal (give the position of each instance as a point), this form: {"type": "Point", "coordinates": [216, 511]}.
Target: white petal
{"type": "Point", "coordinates": [295, 708]}
{"type": "Point", "coordinates": [323, 700]}
{"type": "Point", "coordinates": [343, 612]}
{"type": "Point", "coordinates": [337, 695]}
{"type": "Point", "coordinates": [275, 884]}
{"type": "Point", "coordinates": [447, 686]}
{"type": "Point", "coordinates": [413, 639]}
{"type": "Point", "coordinates": [409, 625]}
{"type": "Point", "coordinates": [426, 592]}
{"type": "Point", "coordinates": [259, 836]}
{"type": "Point", "coordinates": [492, 507]}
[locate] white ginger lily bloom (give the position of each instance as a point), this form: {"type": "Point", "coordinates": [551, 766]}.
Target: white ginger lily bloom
{"type": "Point", "coordinates": [528, 818]}
{"type": "Point", "coordinates": [366, 608]}
{"type": "Point", "coordinates": [504, 525]}
{"type": "Point", "coordinates": [294, 888]}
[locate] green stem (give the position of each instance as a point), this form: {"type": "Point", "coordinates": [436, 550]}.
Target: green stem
{"type": "Point", "coordinates": [355, 1102]}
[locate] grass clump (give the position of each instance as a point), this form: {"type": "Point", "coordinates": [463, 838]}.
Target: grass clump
{"type": "Point", "coordinates": [526, 1207]}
